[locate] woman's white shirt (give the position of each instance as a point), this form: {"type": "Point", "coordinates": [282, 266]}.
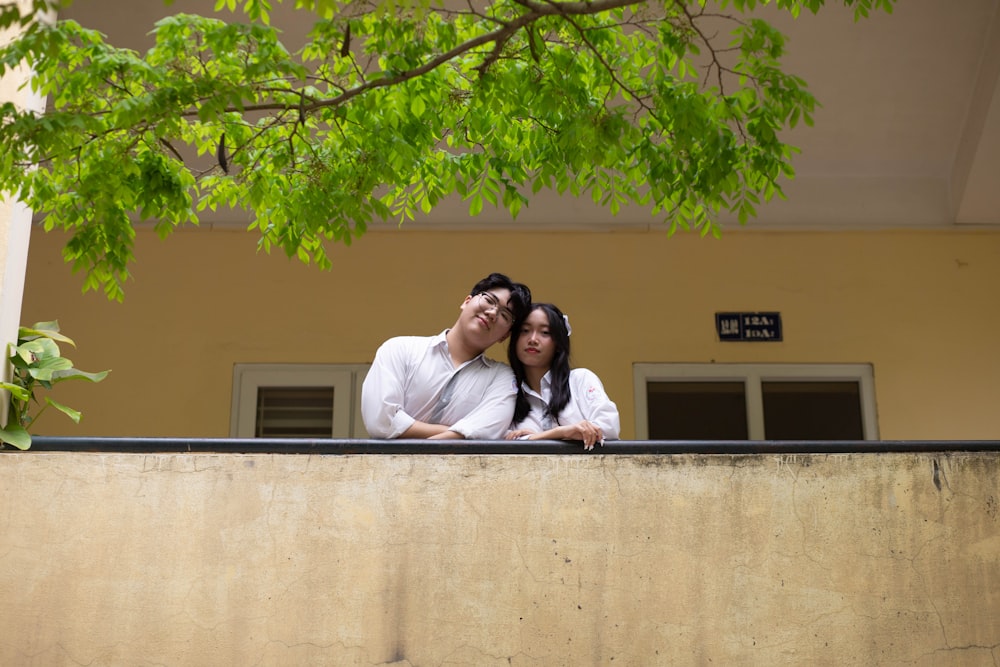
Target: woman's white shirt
{"type": "Point", "coordinates": [588, 401]}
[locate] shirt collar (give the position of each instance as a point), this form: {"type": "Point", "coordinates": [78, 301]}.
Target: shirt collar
{"type": "Point", "coordinates": [440, 342]}
{"type": "Point", "coordinates": [545, 386]}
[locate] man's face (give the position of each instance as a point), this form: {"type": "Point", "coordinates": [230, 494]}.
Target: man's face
{"type": "Point", "coordinates": [487, 317]}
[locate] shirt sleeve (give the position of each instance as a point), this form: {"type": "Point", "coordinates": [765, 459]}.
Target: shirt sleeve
{"type": "Point", "coordinates": [383, 389]}
{"type": "Point", "coordinates": [491, 419]}
{"type": "Point", "coordinates": [594, 403]}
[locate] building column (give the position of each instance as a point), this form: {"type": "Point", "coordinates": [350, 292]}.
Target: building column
{"type": "Point", "coordinates": [15, 217]}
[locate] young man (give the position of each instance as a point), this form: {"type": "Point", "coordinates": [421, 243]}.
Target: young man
{"type": "Point", "coordinates": [442, 386]}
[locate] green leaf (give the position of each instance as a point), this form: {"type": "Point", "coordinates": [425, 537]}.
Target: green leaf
{"type": "Point", "coordinates": [46, 330]}
{"type": "Point", "coordinates": [66, 410]}
{"type": "Point", "coordinates": [17, 391]}
{"type": "Point", "coordinates": [476, 205]}
{"type": "Point", "coordinates": [417, 106]}
{"type": "Point", "coordinates": [77, 374]}
{"type": "Point", "coordinates": [15, 435]}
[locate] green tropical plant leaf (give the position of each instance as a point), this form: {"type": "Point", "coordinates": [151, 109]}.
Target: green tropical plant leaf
{"type": "Point", "coordinates": [36, 365]}
{"type": "Point", "coordinates": [15, 435]}
{"type": "Point", "coordinates": [66, 410]}
{"type": "Point", "coordinates": [18, 392]}
{"type": "Point", "coordinates": [77, 374]}
{"type": "Point", "coordinates": [44, 330]}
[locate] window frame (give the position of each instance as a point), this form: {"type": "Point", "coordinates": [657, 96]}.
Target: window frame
{"type": "Point", "coordinates": [752, 375]}
{"type": "Point", "coordinates": [346, 380]}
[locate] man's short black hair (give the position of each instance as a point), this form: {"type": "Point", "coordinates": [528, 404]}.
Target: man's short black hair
{"type": "Point", "coordinates": [520, 295]}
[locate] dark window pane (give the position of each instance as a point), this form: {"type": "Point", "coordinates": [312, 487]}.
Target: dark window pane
{"type": "Point", "coordinates": [812, 410]}
{"type": "Point", "coordinates": [696, 410]}
{"type": "Point", "coordinates": [294, 412]}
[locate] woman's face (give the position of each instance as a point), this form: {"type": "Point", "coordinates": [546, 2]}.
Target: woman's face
{"type": "Point", "coordinates": [535, 346]}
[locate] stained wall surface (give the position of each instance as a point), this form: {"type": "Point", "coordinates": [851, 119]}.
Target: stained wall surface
{"type": "Point", "coordinates": [210, 559]}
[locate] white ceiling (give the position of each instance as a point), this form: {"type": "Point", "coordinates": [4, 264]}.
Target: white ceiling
{"type": "Point", "coordinates": [909, 131]}
{"type": "Point", "coordinates": [908, 134]}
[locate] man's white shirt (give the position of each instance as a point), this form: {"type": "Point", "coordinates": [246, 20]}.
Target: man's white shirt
{"type": "Point", "coordinates": [413, 378]}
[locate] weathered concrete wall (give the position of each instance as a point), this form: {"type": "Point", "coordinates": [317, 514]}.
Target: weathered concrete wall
{"type": "Point", "coordinates": [203, 559]}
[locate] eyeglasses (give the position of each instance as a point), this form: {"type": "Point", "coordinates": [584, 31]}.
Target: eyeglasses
{"type": "Point", "coordinates": [493, 303]}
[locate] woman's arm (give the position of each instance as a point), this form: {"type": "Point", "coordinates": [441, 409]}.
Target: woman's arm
{"type": "Point", "coordinates": [593, 402]}
{"type": "Point", "coordinates": [586, 431]}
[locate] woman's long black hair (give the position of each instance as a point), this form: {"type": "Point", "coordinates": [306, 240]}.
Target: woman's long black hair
{"type": "Point", "coordinates": [559, 371]}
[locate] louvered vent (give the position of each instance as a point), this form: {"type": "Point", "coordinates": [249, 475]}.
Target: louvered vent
{"type": "Point", "coordinates": [294, 412]}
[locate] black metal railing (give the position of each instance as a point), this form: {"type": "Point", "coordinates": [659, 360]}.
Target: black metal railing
{"type": "Point", "coordinates": [487, 447]}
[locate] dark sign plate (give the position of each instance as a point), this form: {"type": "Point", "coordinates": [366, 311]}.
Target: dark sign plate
{"type": "Point", "coordinates": [753, 327]}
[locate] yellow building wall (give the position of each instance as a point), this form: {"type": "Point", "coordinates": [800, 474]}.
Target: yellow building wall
{"type": "Point", "coordinates": [923, 307]}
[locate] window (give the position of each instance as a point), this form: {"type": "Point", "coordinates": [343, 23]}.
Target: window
{"type": "Point", "coordinates": [755, 402]}
{"type": "Point", "coordinates": [297, 401]}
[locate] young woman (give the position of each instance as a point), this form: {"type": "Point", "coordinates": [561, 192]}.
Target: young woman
{"type": "Point", "coordinates": [554, 402]}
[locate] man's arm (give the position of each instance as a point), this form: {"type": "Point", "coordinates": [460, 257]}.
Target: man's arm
{"type": "Point", "coordinates": [491, 418]}
{"type": "Point", "coordinates": [421, 429]}
{"type": "Point", "coordinates": [446, 434]}
{"type": "Point", "coordinates": [382, 392]}
{"type": "Point", "coordinates": [382, 397]}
